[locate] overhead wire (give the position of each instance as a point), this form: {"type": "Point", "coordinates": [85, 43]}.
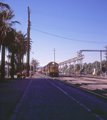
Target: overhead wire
{"type": "Point", "coordinates": [67, 37]}
{"type": "Point", "coordinates": [41, 25]}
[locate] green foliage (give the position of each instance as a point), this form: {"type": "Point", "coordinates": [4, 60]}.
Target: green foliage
{"type": "Point", "coordinates": [34, 64]}
{"type": "Point", "coordinates": [88, 67]}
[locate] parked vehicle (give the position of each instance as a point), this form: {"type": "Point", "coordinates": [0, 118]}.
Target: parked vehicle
{"type": "Point", "coordinates": [24, 74]}
{"type": "Point", "coordinates": [19, 75]}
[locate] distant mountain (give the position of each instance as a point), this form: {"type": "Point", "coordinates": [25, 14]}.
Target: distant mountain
{"type": "Point", "coordinates": [39, 67]}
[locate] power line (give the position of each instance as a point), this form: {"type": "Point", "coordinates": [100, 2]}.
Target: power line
{"type": "Point", "coordinates": [41, 25]}
{"type": "Point", "coordinates": [68, 38]}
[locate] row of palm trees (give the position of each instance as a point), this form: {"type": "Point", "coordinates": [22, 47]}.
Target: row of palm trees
{"type": "Point", "coordinates": [14, 41]}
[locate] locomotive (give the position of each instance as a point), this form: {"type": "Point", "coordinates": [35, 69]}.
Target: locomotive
{"type": "Point", "coordinates": [51, 69]}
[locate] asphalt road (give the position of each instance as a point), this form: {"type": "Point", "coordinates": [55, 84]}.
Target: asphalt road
{"type": "Point", "coordinates": [48, 99]}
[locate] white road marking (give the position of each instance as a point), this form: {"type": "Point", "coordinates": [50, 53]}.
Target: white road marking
{"type": "Point", "coordinates": [74, 99]}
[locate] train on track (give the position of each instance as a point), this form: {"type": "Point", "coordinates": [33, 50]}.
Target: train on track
{"type": "Point", "coordinates": [51, 69]}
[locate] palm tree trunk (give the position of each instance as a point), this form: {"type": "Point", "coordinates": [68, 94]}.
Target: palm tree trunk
{"type": "Point", "coordinates": [20, 66]}
{"type": "Point", "coordinates": [12, 65]}
{"type": "Point", "coordinates": [22, 63]}
{"type": "Point", "coordinates": [3, 63]}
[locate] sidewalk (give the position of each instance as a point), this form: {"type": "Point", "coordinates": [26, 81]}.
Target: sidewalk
{"type": "Point", "coordinates": [10, 93]}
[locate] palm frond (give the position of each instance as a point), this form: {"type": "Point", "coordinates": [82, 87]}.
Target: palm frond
{"type": "Point", "coordinates": [15, 22]}
{"type": "Point", "coordinates": [4, 5]}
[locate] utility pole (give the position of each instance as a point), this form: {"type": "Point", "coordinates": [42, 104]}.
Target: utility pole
{"type": "Point", "coordinates": [101, 62]}
{"type": "Point", "coordinates": [28, 42]}
{"type": "Point", "coordinates": [54, 55]}
{"type": "Point", "coordinates": [106, 58]}
{"type": "Point", "coordinates": [106, 53]}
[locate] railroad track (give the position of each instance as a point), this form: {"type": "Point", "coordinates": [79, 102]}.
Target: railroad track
{"type": "Point", "coordinates": [101, 93]}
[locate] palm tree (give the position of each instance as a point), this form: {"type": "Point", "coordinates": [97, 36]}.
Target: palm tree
{"type": "Point", "coordinates": [17, 48]}
{"type": "Point", "coordinates": [22, 40]}
{"type": "Point", "coordinates": [13, 48]}
{"type": "Point", "coordinates": [2, 5]}
{"type": "Point", "coordinates": [5, 16]}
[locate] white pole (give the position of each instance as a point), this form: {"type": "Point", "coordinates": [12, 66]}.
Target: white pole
{"type": "Point", "coordinates": [101, 62]}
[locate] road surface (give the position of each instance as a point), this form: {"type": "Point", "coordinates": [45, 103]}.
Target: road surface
{"type": "Point", "coordinates": [48, 99]}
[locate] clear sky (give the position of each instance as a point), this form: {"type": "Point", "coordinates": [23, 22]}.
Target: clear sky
{"type": "Point", "coordinates": [66, 25]}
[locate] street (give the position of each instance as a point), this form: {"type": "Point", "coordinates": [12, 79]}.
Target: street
{"type": "Point", "coordinates": [48, 99]}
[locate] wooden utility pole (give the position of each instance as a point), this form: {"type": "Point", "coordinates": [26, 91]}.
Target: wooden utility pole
{"type": "Point", "coordinates": [28, 42]}
{"type": "Point", "coordinates": [54, 55]}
